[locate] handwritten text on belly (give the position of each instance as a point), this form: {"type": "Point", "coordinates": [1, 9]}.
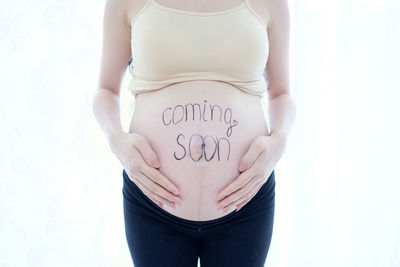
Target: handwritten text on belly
{"type": "Point", "coordinates": [197, 142]}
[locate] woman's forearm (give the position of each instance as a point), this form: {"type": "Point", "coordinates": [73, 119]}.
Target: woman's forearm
{"type": "Point", "coordinates": [282, 113]}
{"type": "Point", "coordinates": [106, 109]}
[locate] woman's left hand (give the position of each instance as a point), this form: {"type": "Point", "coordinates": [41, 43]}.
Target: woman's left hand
{"type": "Point", "coordinates": [255, 166]}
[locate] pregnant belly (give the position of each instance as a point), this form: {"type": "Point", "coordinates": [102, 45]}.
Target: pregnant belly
{"type": "Point", "coordinates": [200, 130]}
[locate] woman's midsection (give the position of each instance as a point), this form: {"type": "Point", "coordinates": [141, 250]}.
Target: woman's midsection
{"type": "Point", "coordinates": [200, 130]}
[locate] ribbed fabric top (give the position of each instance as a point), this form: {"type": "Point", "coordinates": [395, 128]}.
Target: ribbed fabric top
{"type": "Point", "coordinates": [172, 45]}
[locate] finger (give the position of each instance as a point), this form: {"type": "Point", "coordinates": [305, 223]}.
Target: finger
{"type": "Point", "coordinates": [150, 194]}
{"type": "Point", "coordinates": [159, 190]}
{"type": "Point", "coordinates": [156, 198]}
{"type": "Point", "coordinates": [251, 193]}
{"type": "Point", "coordinates": [244, 202]}
{"type": "Point", "coordinates": [246, 197]}
{"type": "Point", "coordinates": [239, 182]}
{"type": "Point", "coordinates": [256, 148]}
{"type": "Point", "coordinates": [156, 201]}
{"type": "Point", "coordinates": [159, 178]}
{"type": "Point", "coordinates": [147, 152]}
{"type": "Point", "coordinates": [237, 194]}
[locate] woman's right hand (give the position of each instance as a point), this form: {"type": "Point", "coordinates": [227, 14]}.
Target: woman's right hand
{"type": "Point", "coordinates": [140, 163]}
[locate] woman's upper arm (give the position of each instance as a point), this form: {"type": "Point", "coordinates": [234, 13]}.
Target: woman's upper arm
{"type": "Point", "coordinates": [116, 47]}
{"type": "Point", "coordinates": [277, 68]}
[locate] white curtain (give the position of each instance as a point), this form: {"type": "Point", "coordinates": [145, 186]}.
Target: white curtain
{"type": "Point", "coordinates": [338, 184]}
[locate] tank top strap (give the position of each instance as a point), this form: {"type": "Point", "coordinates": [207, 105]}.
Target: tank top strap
{"type": "Point", "coordinates": [247, 4]}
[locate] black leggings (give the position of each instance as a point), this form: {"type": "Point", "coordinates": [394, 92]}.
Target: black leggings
{"type": "Point", "coordinates": [157, 238]}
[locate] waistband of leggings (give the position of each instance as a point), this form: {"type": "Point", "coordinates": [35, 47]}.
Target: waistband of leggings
{"type": "Point", "coordinates": [208, 223]}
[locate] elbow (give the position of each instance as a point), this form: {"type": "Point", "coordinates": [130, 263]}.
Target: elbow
{"type": "Point", "coordinates": [94, 101]}
{"type": "Point", "coordinates": [277, 91]}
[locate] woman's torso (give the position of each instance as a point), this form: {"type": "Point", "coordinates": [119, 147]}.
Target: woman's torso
{"type": "Point", "coordinates": [166, 118]}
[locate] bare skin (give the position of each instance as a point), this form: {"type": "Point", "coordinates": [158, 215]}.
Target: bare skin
{"type": "Point", "coordinates": [190, 167]}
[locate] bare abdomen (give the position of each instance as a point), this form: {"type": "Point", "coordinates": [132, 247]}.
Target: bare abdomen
{"type": "Point", "coordinates": [200, 130]}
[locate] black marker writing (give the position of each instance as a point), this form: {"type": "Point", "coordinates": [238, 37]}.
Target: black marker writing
{"type": "Point", "coordinates": [192, 143]}
{"type": "Point", "coordinates": [204, 108]}
{"type": "Point", "coordinates": [184, 150]}
{"type": "Point", "coordinates": [193, 112]}
{"type": "Point", "coordinates": [198, 145]}
{"type": "Point", "coordinates": [190, 147]}
{"type": "Point", "coordinates": [215, 148]}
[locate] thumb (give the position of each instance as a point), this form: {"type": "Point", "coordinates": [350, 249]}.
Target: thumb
{"type": "Point", "coordinates": [255, 149]}
{"type": "Point", "coordinates": [148, 154]}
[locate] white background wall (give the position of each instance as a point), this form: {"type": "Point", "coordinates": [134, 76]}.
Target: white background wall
{"type": "Point", "coordinates": [337, 192]}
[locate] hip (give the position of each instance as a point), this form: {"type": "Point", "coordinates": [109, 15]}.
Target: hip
{"type": "Point", "coordinates": [137, 203]}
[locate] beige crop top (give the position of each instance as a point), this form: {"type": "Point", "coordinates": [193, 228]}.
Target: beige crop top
{"type": "Point", "coordinates": [172, 45]}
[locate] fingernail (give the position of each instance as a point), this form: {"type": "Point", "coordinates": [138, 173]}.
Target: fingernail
{"type": "Point", "coordinates": [242, 166]}
{"type": "Point", "coordinates": [157, 163]}
{"type": "Point", "coordinates": [172, 205]}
